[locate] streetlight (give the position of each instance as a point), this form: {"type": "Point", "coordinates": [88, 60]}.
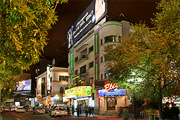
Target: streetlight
{"type": "Point", "coordinates": [134, 99]}
{"type": "Point", "coordinates": [56, 97]}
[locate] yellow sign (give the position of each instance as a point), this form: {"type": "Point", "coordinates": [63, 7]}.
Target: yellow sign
{"type": "Point", "coordinates": [78, 91]}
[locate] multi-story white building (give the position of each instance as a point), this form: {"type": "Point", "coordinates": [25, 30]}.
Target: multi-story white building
{"type": "Point", "coordinates": [87, 39]}
{"type": "Point", "coordinates": [52, 83]}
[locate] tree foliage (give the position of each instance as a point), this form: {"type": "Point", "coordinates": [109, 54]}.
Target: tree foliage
{"type": "Point", "coordinates": [153, 53]}
{"type": "Point", "coordinates": [24, 26]}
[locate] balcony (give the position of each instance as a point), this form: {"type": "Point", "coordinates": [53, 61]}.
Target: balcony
{"type": "Point", "coordinates": [83, 57]}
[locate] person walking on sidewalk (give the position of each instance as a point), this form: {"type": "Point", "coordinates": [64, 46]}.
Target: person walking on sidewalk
{"type": "Point", "coordinates": [174, 112]}
{"type": "Point", "coordinates": [125, 113]}
{"type": "Point", "coordinates": [166, 112]}
{"type": "Point", "coordinates": [78, 110]}
{"type": "Point", "coordinates": [90, 112]}
{"type": "Point", "coordinates": [86, 111]}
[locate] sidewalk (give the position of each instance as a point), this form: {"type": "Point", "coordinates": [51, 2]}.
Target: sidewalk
{"type": "Point", "coordinates": [1, 117]}
{"type": "Point", "coordinates": [83, 115]}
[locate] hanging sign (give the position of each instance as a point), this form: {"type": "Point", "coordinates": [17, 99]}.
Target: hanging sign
{"type": "Point", "coordinates": [110, 86]}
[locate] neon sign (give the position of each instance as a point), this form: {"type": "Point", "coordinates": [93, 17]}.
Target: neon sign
{"type": "Point", "coordinates": [110, 86]}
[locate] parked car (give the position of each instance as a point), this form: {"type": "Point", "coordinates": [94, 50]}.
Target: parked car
{"type": "Point", "coordinates": [59, 111]}
{"type": "Point", "coordinates": [6, 109]}
{"type": "Point", "coordinates": [13, 108]}
{"type": "Point", "coordinates": [20, 110]}
{"type": "Point", "coordinates": [40, 110]}
{"type": "Point", "coordinates": [30, 109]}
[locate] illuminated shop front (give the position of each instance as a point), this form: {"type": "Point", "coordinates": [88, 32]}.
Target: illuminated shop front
{"type": "Point", "coordinates": [80, 95]}
{"type": "Point", "coordinates": [111, 99]}
{"type": "Point", "coordinates": [173, 99]}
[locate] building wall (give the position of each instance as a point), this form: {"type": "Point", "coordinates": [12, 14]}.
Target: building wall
{"type": "Point", "coordinates": [110, 28]}
{"type": "Point", "coordinates": [55, 72]}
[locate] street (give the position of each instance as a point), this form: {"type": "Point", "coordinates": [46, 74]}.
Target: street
{"type": "Point", "coordinates": [31, 116]}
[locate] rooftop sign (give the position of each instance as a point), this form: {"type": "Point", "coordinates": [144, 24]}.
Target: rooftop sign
{"type": "Point", "coordinates": [93, 13]}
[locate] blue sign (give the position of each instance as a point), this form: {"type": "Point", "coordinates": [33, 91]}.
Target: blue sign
{"type": "Point", "coordinates": [111, 92]}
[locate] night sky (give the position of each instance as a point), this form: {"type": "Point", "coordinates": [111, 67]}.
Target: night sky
{"type": "Point", "coordinates": [133, 10]}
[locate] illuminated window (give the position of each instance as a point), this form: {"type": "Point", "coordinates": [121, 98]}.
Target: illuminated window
{"type": "Point", "coordinates": [110, 39]}
{"type": "Point", "coordinates": [105, 75]}
{"type": "Point", "coordinates": [90, 81]}
{"type": "Point", "coordinates": [63, 78]}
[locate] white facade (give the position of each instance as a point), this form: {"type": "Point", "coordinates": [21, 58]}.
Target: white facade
{"type": "Point", "coordinates": [58, 83]}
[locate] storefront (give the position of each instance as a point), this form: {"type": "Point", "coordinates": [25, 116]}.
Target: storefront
{"type": "Point", "coordinates": [111, 98]}
{"type": "Point", "coordinates": [81, 96]}
{"type": "Point", "coordinates": [173, 99]}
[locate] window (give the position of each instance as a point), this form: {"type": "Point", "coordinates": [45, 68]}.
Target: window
{"type": "Point", "coordinates": [120, 40]}
{"type": "Point", "coordinates": [101, 76]}
{"type": "Point", "coordinates": [101, 59]}
{"type": "Point", "coordinates": [63, 78]}
{"type": "Point", "coordinates": [84, 56]}
{"type": "Point", "coordinates": [83, 69]}
{"type": "Point", "coordinates": [76, 59]}
{"type": "Point", "coordinates": [110, 39]}
{"type": "Point", "coordinates": [90, 81]}
{"type": "Point", "coordinates": [76, 72]}
{"type": "Point", "coordinates": [91, 64]}
{"type": "Point", "coordinates": [105, 75]}
{"type": "Point", "coordinates": [101, 41]}
{"type": "Point", "coordinates": [91, 49]}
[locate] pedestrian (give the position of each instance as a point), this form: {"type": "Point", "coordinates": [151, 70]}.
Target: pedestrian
{"type": "Point", "coordinates": [72, 109]}
{"type": "Point", "coordinates": [125, 113]}
{"type": "Point", "coordinates": [120, 111]}
{"type": "Point", "coordinates": [68, 110]}
{"type": "Point", "coordinates": [78, 110]}
{"type": "Point", "coordinates": [33, 110]}
{"type": "Point", "coordinates": [174, 112]}
{"type": "Point", "coordinates": [86, 111]}
{"type": "Point", "coordinates": [166, 112]}
{"type": "Point", "coordinates": [89, 110]}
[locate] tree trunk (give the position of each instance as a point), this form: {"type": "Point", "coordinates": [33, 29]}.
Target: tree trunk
{"type": "Point", "coordinates": [0, 92]}
{"type": "Point", "coordinates": [160, 101]}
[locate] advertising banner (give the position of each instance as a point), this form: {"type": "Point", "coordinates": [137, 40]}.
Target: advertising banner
{"type": "Point", "coordinates": [78, 92]}
{"type": "Point", "coordinates": [48, 78]}
{"type": "Point", "coordinates": [93, 13]}
{"type": "Point", "coordinates": [24, 85]}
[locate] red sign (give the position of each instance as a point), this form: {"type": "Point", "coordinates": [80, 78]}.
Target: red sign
{"type": "Point", "coordinates": [110, 86]}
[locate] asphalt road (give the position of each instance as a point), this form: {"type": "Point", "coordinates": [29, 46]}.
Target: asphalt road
{"type": "Point", "coordinates": [31, 116]}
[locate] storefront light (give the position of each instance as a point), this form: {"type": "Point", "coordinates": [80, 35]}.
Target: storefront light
{"type": "Point", "coordinates": [56, 97]}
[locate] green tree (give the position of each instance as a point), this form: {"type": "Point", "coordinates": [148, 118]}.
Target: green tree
{"type": "Point", "coordinates": [153, 53]}
{"type": "Point", "coordinates": [24, 26]}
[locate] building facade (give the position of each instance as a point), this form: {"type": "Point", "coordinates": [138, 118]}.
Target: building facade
{"type": "Point", "coordinates": [87, 39]}
{"type": "Point", "coordinates": [51, 86]}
